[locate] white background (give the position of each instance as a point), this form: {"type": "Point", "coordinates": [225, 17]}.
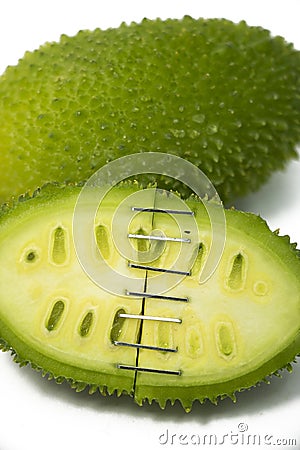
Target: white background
{"type": "Point", "coordinates": [38, 414]}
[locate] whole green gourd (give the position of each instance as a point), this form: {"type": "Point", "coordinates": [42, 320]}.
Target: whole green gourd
{"type": "Point", "coordinates": [224, 96]}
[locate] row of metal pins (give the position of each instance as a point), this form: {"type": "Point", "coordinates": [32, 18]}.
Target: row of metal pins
{"type": "Point", "coordinates": [154, 296]}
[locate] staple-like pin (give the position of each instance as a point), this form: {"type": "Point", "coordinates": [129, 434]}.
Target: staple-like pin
{"type": "Point", "coordinates": [158, 238]}
{"type": "Point", "coordinates": [166, 211]}
{"type": "Point", "coordinates": [158, 296]}
{"type": "Point", "coordinates": [145, 347]}
{"type": "Point", "coordinates": [158, 269]}
{"type": "Point", "coordinates": [143, 317]}
{"type": "Point", "coordinates": [147, 369]}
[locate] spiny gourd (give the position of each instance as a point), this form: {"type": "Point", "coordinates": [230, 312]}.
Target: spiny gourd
{"type": "Point", "coordinates": [225, 96]}
{"type": "Point", "coordinates": [222, 336]}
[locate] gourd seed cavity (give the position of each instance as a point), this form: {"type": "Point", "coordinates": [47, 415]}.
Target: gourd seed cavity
{"type": "Point", "coordinates": [237, 274]}
{"type": "Point", "coordinates": [102, 241]}
{"type": "Point", "coordinates": [86, 324]}
{"type": "Point", "coordinates": [117, 326]}
{"type": "Point", "coordinates": [260, 288]}
{"type": "Point", "coordinates": [142, 245]}
{"type": "Point", "coordinates": [194, 342]}
{"type": "Point", "coordinates": [199, 259]}
{"type": "Point", "coordinates": [225, 340]}
{"type": "Point", "coordinates": [164, 336]}
{"type": "Point", "coordinates": [55, 315]}
{"type": "Point", "coordinates": [31, 256]}
{"type": "Point", "coordinates": [59, 253]}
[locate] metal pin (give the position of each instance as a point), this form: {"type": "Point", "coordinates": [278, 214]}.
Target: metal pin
{"type": "Point", "coordinates": [159, 296]}
{"type": "Point", "coordinates": [158, 269]}
{"type": "Point", "coordinates": [166, 211]}
{"type": "Point", "coordinates": [158, 238]}
{"type": "Point", "coordinates": [143, 317]}
{"type": "Point", "coordinates": [146, 347]}
{"type": "Point", "coordinates": [146, 369]}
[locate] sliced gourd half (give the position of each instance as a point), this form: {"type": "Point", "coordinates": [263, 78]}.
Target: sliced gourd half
{"type": "Point", "coordinates": [127, 327]}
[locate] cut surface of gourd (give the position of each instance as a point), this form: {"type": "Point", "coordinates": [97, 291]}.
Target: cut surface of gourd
{"type": "Point", "coordinates": [148, 338]}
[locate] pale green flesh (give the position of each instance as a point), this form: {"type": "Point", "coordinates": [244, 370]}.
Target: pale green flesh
{"type": "Point", "coordinates": [243, 316]}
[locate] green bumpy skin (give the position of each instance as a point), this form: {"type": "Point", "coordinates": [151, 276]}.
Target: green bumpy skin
{"type": "Point", "coordinates": [224, 96]}
{"type": "Point", "coordinates": [237, 328]}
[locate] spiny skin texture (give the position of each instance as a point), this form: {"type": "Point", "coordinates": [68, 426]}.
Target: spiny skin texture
{"type": "Point", "coordinates": [239, 327]}
{"type": "Point", "coordinates": [224, 96]}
